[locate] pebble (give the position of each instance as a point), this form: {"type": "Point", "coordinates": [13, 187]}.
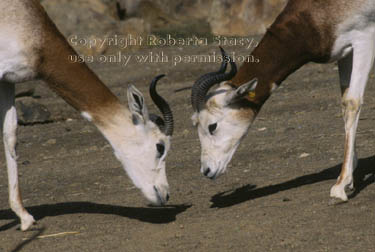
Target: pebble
{"type": "Point", "coordinates": [303, 155]}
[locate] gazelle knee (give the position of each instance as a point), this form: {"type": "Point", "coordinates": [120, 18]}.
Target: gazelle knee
{"type": "Point", "coordinates": [350, 104]}
{"type": "Point", "coordinates": [350, 110]}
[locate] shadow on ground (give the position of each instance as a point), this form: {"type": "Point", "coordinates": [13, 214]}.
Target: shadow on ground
{"type": "Point", "coordinates": [363, 176]}
{"type": "Point", "coordinates": [20, 246]}
{"type": "Point", "coordinates": [152, 214]}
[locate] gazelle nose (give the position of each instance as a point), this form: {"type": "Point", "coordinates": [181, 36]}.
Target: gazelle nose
{"type": "Point", "coordinates": [206, 172]}
{"type": "Point", "coordinates": [161, 198]}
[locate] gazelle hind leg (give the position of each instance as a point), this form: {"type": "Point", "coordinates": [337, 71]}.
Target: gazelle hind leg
{"type": "Point", "coordinates": [363, 57]}
{"type": "Point", "coordinates": [8, 117]}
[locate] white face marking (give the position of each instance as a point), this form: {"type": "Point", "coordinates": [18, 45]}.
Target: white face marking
{"type": "Point", "coordinates": [142, 155]}
{"type": "Point", "coordinates": [141, 147]}
{"type": "Point", "coordinates": [220, 129]}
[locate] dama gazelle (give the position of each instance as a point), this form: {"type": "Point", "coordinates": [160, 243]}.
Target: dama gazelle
{"type": "Point", "coordinates": [32, 47]}
{"type": "Point", "coordinates": [306, 31]}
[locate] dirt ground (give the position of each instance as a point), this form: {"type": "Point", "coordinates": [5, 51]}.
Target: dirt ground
{"type": "Point", "coordinates": [274, 197]}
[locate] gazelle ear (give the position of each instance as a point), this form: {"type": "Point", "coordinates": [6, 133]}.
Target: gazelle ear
{"type": "Point", "coordinates": [241, 91]}
{"type": "Point", "coordinates": [137, 106]}
{"type": "Point", "coordinates": [194, 119]}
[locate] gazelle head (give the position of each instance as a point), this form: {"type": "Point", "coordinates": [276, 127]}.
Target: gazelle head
{"type": "Point", "coordinates": [220, 120]}
{"type": "Point", "coordinates": [145, 148]}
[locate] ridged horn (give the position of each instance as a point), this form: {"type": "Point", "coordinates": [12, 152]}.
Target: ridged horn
{"type": "Point", "coordinates": [206, 81]}
{"type": "Point", "coordinates": [167, 124]}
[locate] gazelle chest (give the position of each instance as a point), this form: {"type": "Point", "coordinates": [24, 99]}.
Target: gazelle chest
{"type": "Point", "coordinates": [18, 61]}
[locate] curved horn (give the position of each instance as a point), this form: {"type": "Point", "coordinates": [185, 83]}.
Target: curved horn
{"type": "Point", "coordinates": [205, 82]}
{"type": "Point", "coordinates": [195, 94]}
{"type": "Point", "coordinates": [162, 106]}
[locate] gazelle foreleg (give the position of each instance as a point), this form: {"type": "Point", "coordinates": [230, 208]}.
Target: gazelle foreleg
{"type": "Point", "coordinates": [8, 117]}
{"type": "Point", "coordinates": [352, 100]}
{"type": "Point", "coordinates": [345, 73]}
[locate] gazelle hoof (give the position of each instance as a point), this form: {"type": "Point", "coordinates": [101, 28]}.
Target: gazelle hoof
{"type": "Point", "coordinates": [338, 192]}
{"type": "Point", "coordinates": [27, 222]}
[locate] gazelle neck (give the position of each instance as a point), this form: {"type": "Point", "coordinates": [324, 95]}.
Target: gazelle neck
{"type": "Point", "coordinates": [292, 41]}
{"type": "Point", "coordinates": [75, 82]}
{"type": "Point", "coordinates": [277, 61]}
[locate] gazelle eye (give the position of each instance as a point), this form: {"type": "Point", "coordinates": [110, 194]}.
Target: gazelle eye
{"type": "Point", "coordinates": [160, 148]}
{"type": "Point", "coordinates": [212, 128]}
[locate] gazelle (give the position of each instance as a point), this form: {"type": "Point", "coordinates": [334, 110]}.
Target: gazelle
{"type": "Point", "coordinates": [306, 30]}
{"type": "Point", "coordinates": [32, 47]}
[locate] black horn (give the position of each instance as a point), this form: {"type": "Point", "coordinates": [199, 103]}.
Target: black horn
{"type": "Point", "coordinates": [167, 124]}
{"type": "Point", "coordinates": [206, 81]}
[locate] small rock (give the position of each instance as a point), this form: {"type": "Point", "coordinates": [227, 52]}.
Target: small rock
{"type": "Point", "coordinates": [303, 155]}
{"type": "Point", "coordinates": [51, 142]}
{"type": "Point", "coordinates": [26, 162]}
{"type": "Point", "coordinates": [31, 112]}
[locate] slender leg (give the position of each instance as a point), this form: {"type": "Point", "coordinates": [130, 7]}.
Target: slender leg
{"type": "Point", "coordinates": [345, 73]}
{"type": "Point", "coordinates": [362, 62]}
{"type": "Point", "coordinates": [8, 117]}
